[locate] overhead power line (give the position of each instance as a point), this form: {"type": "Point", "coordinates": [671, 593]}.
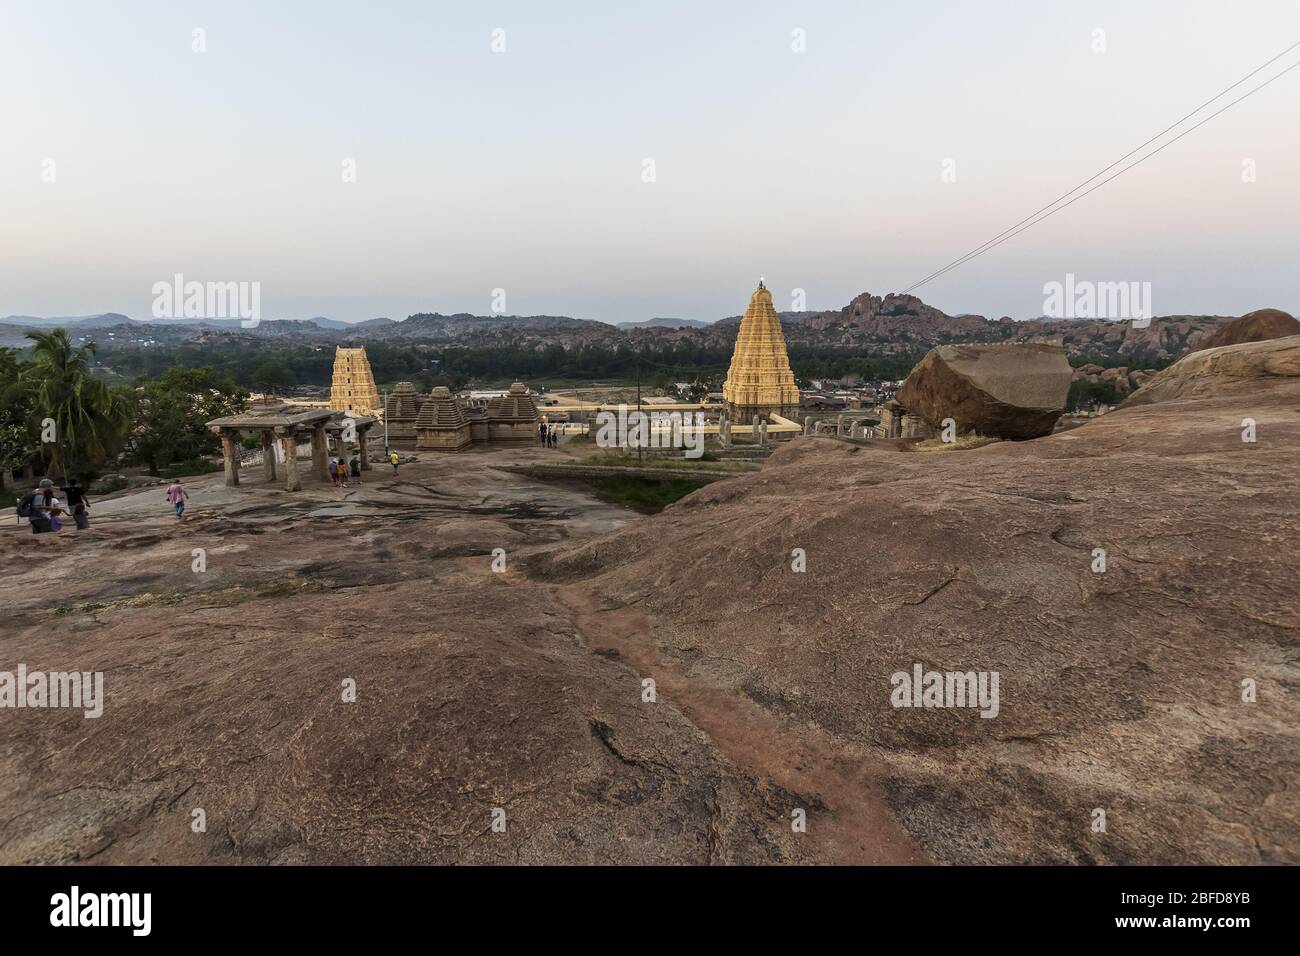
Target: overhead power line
{"type": "Point", "coordinates": [1026, 223]}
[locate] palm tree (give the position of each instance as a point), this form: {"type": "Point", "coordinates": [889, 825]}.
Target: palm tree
{"type": "Point", "coordinates": [89, 418]}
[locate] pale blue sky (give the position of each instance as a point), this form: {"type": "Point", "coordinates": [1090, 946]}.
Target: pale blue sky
{"type": "Point", "coordinates": [522, 170]}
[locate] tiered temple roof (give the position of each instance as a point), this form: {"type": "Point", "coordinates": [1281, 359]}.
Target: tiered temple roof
{"type": "Point", "coordinates": [441, 410]}
{"type": "Point", "coordinates": [515, 406]}
{"type": "Point", "coordinates": [759, 381]}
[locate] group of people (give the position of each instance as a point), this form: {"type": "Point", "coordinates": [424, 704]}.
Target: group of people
{"type": "Point", "coordinates": [340, 469]}
{"type": "Point", "coordinates": [45, 511]}
{"type": "Point", "coordinates": [548, 435]}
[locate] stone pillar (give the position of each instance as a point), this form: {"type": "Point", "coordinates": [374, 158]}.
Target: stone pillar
{"type": "Point", "coordinates": [724, 432]}
{"type": "Point", "coordinates": [290, 446]}
{"type": "Point", "coordinates": [319, 447]}
{"type": "Point", "coordinates": [230, 456]}
{"type": "Point", "coordinates": [807, 426]}
{"type": "Point", "coordinates": [762, 432]}
{"type": "Point", "coordinates": [754, 432]}
{"type": "Point", "coordinates": [268, 455]}
{"type": "Point", "coordinates": [363, 440]}
{"type": "Point", "coordinates": [839, 425]}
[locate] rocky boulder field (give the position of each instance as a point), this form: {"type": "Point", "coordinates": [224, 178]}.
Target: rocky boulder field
{"type": "Point", "coordinates": [671, 689]}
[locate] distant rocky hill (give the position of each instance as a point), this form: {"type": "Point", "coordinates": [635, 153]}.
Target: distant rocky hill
{"type": "Point", "coordinates": [102, 320]}
{"type": "Point", "coordinates": [884, 325]}
{"type": "Point", "coordinates": [664, 324]}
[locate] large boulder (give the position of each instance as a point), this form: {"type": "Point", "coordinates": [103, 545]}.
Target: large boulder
{"type": "Point", "coordinates": [1013, 390]}
{"type": "Point", "coordinates": [1229, 370]}
{"type": "Point", "coordinates": [1257, 326]}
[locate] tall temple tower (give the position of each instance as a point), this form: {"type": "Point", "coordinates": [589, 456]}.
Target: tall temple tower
{"type": "Point", "coordinates": [353, 389]}
{"type": "Point", "coordinates": [759, 381]}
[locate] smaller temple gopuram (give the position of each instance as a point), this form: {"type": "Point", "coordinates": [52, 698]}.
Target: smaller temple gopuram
{"type": "Point", "coordinates": [759, 381]}
{"type": "Point", "coordinates": [439, 421]}
{"type": "Point", "coordinates": [353, 387]}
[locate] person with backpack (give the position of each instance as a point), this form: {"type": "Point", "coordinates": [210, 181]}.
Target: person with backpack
{"type": "Point", "coordinates": [334, 472]}
{"type": "Point", "coordinates": [35, 506]}
{"type": "Point", "coordinates": [79, 504]}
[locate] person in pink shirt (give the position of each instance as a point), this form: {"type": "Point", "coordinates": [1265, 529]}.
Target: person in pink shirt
{"type": "Point", "coordinates": [177, 495]}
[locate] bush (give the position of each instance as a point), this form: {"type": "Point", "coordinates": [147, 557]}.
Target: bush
{"type": "Point", "coordinates": [195, 466]}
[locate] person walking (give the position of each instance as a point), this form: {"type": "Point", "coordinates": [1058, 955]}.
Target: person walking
{"type": "Point", "coordinates": [334, 472]}
{"type": "Point", "coordinates": [79, 504]}
{"type": "Point", "coordinates": [355, 466]}
{"type": "Point", "coordinates": [35, 506]}
{"type": "Point", "coordinates": [55, 512]}
{"type": "Point", "coordinates": [177, 495]}
{"type": "Point", "coordinates": [392, 457]}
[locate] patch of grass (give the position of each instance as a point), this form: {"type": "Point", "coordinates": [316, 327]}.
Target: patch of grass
{"type": "Point", "coordinates": [139, 600]}
{"type": "Point", "coordinates": [613, 458]}
{"type": "Point", "coordinates": [960, 443]}
{"type": "Point", "coordinates": [646, 495]}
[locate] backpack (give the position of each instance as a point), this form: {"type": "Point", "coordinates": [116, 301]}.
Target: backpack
{"type": "Point", "coordinates": [26, 507]}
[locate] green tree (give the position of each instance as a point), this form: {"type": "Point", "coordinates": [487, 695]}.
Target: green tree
{"type": "Point", "coordinates": [18, 437]}
{"type": "Point", "coordinates": [90, 419]}
{"type": "Point", "coordinates": [172, 412]}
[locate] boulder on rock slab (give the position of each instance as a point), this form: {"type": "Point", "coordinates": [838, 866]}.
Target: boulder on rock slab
{"type": "Point", "coordinates": [1008, 390]}
{"type": "Point", "coordinates": [1259, 326]}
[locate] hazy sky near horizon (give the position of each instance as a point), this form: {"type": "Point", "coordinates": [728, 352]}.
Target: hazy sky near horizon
{"type": "Point", "coordinates": [523, 170]}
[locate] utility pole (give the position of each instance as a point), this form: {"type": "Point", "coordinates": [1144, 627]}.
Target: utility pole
{"type": "Point", "coordinates": [639, 420]}
{"type": "Point", "coordinates": [385, 393]}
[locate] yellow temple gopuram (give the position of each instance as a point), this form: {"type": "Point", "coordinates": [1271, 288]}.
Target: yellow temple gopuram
{"type": "Point", "coordinates": [759, 381]}
{"type": "Point", "coordinates": [353, 388]}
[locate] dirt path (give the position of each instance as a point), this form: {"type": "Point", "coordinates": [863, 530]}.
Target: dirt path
{"type": "Point", "coordinates": [853, 825]}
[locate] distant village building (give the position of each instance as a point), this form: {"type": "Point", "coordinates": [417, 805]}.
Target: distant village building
{"type": "Point", "coordinates": [353, 388]}
{"type": "Point", "coordinates": [759, 381]}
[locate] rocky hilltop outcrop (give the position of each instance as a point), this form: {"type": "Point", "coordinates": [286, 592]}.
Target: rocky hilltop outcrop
{"type": "Point", "coordinates": [1154, 688]}
{"type": "Point", "coordinates": [1253, 327]}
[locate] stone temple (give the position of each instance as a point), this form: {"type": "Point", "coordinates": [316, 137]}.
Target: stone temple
{"type": "Point", "coordinates": [759, 381]}
{"type": "Point", "coordinates": [353, 388]}
{"type": "Point", "coordinates": [439, 421]}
